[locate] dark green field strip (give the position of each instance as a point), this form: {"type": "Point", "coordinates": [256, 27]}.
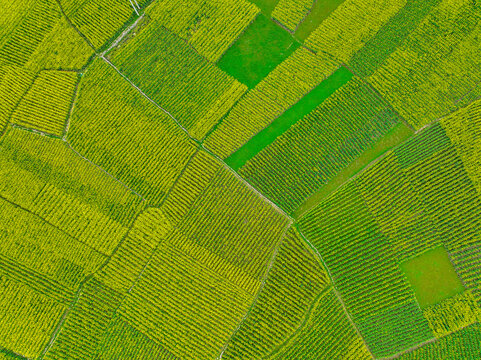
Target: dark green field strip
{"type": "Point", "coordinates": [257, 52]}
{"type": "Point", "coordinates": [303, 107]}
{"type": "Point", "coordinates": [396, 136]}
{"type": "Point", "coordinates": [266, 6]}
{"type": "Point", "coordinates": [390, 36]}
{"type": "Point", "coordinates": [319, 12]}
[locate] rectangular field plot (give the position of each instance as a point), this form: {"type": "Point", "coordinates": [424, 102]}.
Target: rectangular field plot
{"type": "Point", "coordinates": [46, 105]}
{"type": "Point", "coordinates": [432, 276]}
{"type": "Point", "coordinates": [257, 51]}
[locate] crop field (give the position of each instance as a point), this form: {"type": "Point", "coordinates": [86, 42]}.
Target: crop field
{"type": "Point", "coordinates": [240, 180]}
{"type": "Point", "coordinates": [261, 48]}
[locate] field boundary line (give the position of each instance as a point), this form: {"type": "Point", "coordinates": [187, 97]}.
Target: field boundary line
{"type": "Point", "coordinates": [52, 225]}
{"type": "Point", "coordinates": [74, 27]}
{"type": "Point", "coordinates": [198, 142]}
{"type": "Point", "coordinates": [263, 282]}
{"type": "Point", "coordinates": [178, 177]}
{"type": "Point", "coordinates": [67, 311]}
{"type": "Point", "coordinates": [245, 182]}
{"type": "Point", "coordinates": [72, 105]}
{"type": "Point", "coordinates": [420, 345]}
{"type": "Point", "coordinates": [123, 34]}
{"type": "Point", "coordinates": [338, 296]}
{"type": "Point", "coordinates": [102, 169]}
{"type": "Point", "coordinates": [376, 91]}
{"type": "Point", "coordinates": [135, 9]}
{"type": "Point", "coordinates": [148, 98]}
{"type": "Point", "coordinates": [303, 323]}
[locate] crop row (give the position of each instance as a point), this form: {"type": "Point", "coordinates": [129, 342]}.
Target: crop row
{"type": "Point", "coordinates": [463, 128]}
{"type": "Point", "coordinates": [327, 334]}
{"type": "Point", "coordinates": [87, 327]}
{"type": "Point", "coordinates": [115, 127]}
{"type": "Point", "coordinates": [85, 324]}
{"type": "Point", "coordinates": [197, 174]}
{"type": "Point", "coordinates": [63, 48]}
{"type": "Point", "coordinates": [447, 192]}
{"type": "Point", "coordinates": [122, 341]}
{"type": "Point", "coordinates": [462, 345]}
{"type": "Point", "coordinates": [125, 265]}
{"type": "Point", "coordinates": [412, 199]}
{"type": "Point", "coordinates": [294, 281]}
{"type": "Point", "coordinates": [290, 13]}
{"type": "Point", "coordinates": [23, 39]}
{"type": "Point", "coordinates": [30, 161]}
{"type": "Point", "coordinates": [176, 77]}
{"type": "Point", "coordinates": [395, 329]}
{"type": "Point", "coordinates": [14, 83]}
{"type": "Point", "coordinates": [27, 318]}
{"type": "Point", "coordinates": [391, 35]}
{"type": "Point", "coordinates": [209, 26]}
{"type": "Point", "coordinates": [58, 287]}
{"type": "Point", "coordinates": [46, 104]}
{"type": "Point", "coordinates": [234, 222]}
{"type": "Point", "coordinates": [327, 140]}
{"type": "Point", "coordinates": [357, 253]}
{"type": "Point", "coordinates": [468, 264]}
{"type": "Point", "coordinates": [44, 253]}
{"type": "Point", "coordinates": [197, 310]}
{"type": "Point", "coordinates": [422, 146]}
{"type": "Point", "coordinates": [98, 20]}
{"type": "Point", "coordinates": [235, 274]}
{"type": "Point", "coordinates": [437, 64]}
{"type": "Point", "coordinates": [351, 25]}
{"type": "Point", "coordinates": [282, 88]}
{"type": "Point", "coordinates": [453, 314]}
{"type": "Point", "coordinates": [78, 220]}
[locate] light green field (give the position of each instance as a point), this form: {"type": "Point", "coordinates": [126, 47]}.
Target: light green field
{"type": "Point", "coordinates": [432, 277]}
{"type": "Point", "coordinates": [258, 51]}
{"type": "Point", "coordinates": [266, 6]}
{"type": "Point", "coordinates": [397, 135]}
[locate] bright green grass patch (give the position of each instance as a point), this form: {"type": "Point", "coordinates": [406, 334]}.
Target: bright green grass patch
{"type": "Point", "coordinates": [288, 118]}
{"type": "Point", "coordinates": [395, 136]}
{"type": "Point", "coordinates": [432, 277]}
{"type": "Point", "coordinates": [258, 51]}
{"type": "Point", "coordinates": [266, 6]}
{"type": "Point", "coordinates": [319, 12]}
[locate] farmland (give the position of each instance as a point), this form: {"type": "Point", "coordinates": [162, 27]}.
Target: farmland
{"type": "Point", "coordinates": [240, 180]}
